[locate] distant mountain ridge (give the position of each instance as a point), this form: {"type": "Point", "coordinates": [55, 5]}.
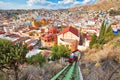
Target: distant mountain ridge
{"type": "Point", "coordinates": [107, 1]}
{"type": "Point", "coordinates": [100, 5]}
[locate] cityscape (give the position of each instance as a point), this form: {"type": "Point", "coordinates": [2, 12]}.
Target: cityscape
{"type": "Point", "coordinates": [59, 40]}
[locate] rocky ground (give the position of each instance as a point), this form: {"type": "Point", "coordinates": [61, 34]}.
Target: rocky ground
{"type": "Point", "coordinates": [102, 63]}
{"type": "Point", "coordinates": [35, 72]}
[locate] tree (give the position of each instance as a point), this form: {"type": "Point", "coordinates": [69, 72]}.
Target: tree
{"type": "Point", "coordinates": [11, 56]}
{"type": "Point", "coordinates": [109, 33]}
{"type": "Point", "coordinates": [109, 29]}
{"type": "Point", "coordinates": [59, 51]}
{"type": "Point", "coordinates": [114, 12]}
{"type": "Point", "coordinates": [37, 59]}
{"type": "Point", "coordinates": [94, 40]}
{"type": "Point", "coordinates": [64, 51]}
{"type": "Point", "coordinates": [115, 71]}
{"type": "Point", "coordinates": [102, 30]}
{"type": "Point", "coordinates": [54, 53]}
{"type": "Point", "coordinates": [106, 34]}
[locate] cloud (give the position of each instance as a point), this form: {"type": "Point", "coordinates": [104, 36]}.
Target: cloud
{"type": "Point", "coordinates": [66, 1]}
{"type": "Point", "coordinates": [32, 2]}
{"type": "Point", "coordinates": [36, 4]}
{"type": "Point", "coordinates": [4, 5]}
{"type": "Point", "coordinates": [9, 5]}
{"type": "Point", "coordinates": [60, 4]}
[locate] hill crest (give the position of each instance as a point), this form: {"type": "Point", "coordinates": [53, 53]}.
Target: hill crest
{"type": "Point", "coordinates": [100, 5]}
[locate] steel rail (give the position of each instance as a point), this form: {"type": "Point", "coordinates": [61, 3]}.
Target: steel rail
{"type": "Point", "coordinates": [70, 72]}
{"type": "Point", "coordinates": [59, 73]}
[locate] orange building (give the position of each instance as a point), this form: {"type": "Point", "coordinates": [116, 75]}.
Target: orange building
{"type": "Point", "coordinates": [49, 39]}
{"type": "Point", "coordinates": [69, 37]}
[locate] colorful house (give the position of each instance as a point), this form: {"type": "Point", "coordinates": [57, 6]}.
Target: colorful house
{"type": "Point", "coordinates": [49, 39]}
{"type": "Point", "coordinates": [69, 37]}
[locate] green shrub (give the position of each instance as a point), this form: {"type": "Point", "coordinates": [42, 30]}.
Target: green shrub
{"type": "Point", "coordinates": [101, 41]}
{"type": "Point", "coordinates": [43, 48]}
{"type": "Point", "coordinates": [93, 41]}
{"type": "Point", "coordinates": [97, 45]}
{"type": "Point", "coordinates": [37, 59]}
{"type": "Point", "coordinates": [60, 51]}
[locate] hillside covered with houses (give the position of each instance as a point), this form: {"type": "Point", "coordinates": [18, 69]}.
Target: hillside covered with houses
{"type": "Point", "coordinates": [48, 37]}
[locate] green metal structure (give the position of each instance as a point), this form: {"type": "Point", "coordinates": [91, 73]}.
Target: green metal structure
{"type": "Point", "coordinates": [59, 73]}
{"type": "Point", "coordinates": [70, 72]}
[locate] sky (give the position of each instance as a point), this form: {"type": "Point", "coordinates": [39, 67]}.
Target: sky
{"type": "Point", "coordinates": [47, 4]}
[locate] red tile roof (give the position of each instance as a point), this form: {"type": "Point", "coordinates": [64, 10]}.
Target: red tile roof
{"type": "Point", "coordinates": [26, 31]}
{"type": "Point", "coordinates": [71, 29]}
{"type": "Point", "coordinates": [13, 35]}
{"type": "Point", "coordinates": [2, 32]}
{"type": "Point", "coordinates": [53, 29]}
{"type": "Point", "coordinates": [89, 37]}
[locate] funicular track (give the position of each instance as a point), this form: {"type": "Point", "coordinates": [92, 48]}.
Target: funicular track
{"type": "Point", "coordinates": [70, 72]}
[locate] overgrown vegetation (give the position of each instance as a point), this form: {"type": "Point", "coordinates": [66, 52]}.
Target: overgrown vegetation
{"type": "Point", "coordinates": [60, 51]}
{"type": "Point", "coordinates": [114, 12]}
{"type": "Point", "coordinates": [102, 63]}
{"type": "Point", "coordinates": [106, 34]}
{"type": "Point", "coordinates": [11, 56]}
{"type": "Point", "coordinates": [37, 59]}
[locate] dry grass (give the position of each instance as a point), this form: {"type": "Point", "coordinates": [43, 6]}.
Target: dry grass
{"type": "Point", "coordinates": [108, 50]}
{"type": "Point", "coordinates": [34, 72]}
{"type": "Point", "coordinates": [100, 64]}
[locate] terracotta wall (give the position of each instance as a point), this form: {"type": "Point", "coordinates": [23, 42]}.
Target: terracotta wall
{"type": "Point", "coordinates": [48, 44]}
{"type": "Point", "coordinates": [72, 45]}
